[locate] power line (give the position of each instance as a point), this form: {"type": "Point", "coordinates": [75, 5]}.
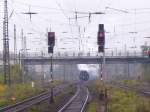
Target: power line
{"type": "Point", "coordinates": [68, 18]}
{"type": "Point", "coordinates": [38, 6]}
{"type": "Point", "coordinates": [118, 10]}
{"type": "Point", "coordinates": [32, 25]}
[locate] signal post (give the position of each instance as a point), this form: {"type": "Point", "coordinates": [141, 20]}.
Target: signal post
{"type": "Point", "coordinates": [101, 51]}
{"type": "Point", "coordinates": [51, 44]}
{"type": "Point", "coordinates": [101, 46]}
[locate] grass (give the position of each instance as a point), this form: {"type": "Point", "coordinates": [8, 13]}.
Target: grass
{"type": "Point", "coordinates": [119, 100]}
{"type": "Point", "coordinates": [94, 87]}
{"type": "Point", "coordinates": [91, 107]}
{"type": "Point", "coordinates": [19, 91]}
{"type": "Point", "coordinates": [1, 78]}
{"type": "Point", "coordinates": [16, 92]}
{"type": "Point", "coordinates": [127, 101]}
{"type": "Point", "coordinates": [130, 82]}
{"type": "Point", "coordinates": [15, 74]}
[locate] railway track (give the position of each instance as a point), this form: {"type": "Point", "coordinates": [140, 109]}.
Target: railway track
{"type": "Point", "coordinates": [78, 102]}
{"type": "Point", "coordinates": [140, 91]}
{"type": "Point", "coordinates": [20, 106]}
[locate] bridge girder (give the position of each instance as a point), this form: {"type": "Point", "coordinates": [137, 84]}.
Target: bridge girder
{"type": "Point", "coordinates": [86, 61]}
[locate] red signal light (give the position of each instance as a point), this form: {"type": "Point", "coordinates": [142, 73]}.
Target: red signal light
{"type": "Point", "coordinates": [101, 38]}
{"type": "Point", "coordinates": [51, 38]}
{"type": "Point", "coordinates": [101, 34]}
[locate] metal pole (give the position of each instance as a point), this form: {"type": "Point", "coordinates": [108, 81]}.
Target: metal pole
{"type": "Point", "coordinates": [51, 71]}
{"type": "Point", "coordinates": [51, 68]}
{"type": "Point", "coordinates": [43, 77]}
{"type": "Point", "coordinates": [19, 61]}
{"type": "Point", "coordinates": [79, 38]}
{"type": "Point", "coordinates": [104, 63]}
{"type": "Point", "coordinates": [71, 73]}
{"type": "Point", "coordinates": [101, 70]}
{"type": "Point", "coordinates": [125, 49]}
{"type": "Point", "coordinates": [128, 71]}
{"type": "Point", "coordinates": [116, 52]}
{"type": "Point", "coordinates": [64, 72]}
{"type": "Point", "coordinates": [15, 45]}
{"type": "Point", "coordinates": [6, 60]}
{"type": "Point", "coordinates": [23, 54]}
{"type": "Point", "coordinates": [20, 66]}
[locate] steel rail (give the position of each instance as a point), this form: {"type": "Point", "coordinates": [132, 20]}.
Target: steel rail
{"type": "Point", "coordinates": [84, 105]}
{"type": "Point", "coordinates": [83, 101]}
{"type": "Point", "coordinates": [31, 101]}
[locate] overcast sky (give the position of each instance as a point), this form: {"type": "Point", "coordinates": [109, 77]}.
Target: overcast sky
{"type": "Point", "coordinates": [131, 16]}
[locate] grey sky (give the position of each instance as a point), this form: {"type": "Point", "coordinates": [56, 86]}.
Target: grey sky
{"type": "Point", "coordinates": [54, 14]}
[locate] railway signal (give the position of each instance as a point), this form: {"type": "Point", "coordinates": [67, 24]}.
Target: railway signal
{"type": "Point", "coordinates": [101, 49]}
{"type": "Point", "coordinates": [101, 38]}
{"type": "Point", "coordinates": [51, 41]}
{"type": "Point", "coordinates": [50, 49]}
{"type": "Point", "coordinates": [51, 44]}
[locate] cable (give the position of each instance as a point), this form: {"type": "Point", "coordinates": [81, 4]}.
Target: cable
{"type": "Point", "coordinates": [69, 11]}
{"type": "Point", "coordinates": [35, 25]}
{"type": "Point", "coordinates": [38, 6]}
{"type": "Point", "coordinates": [68, 18]}
{"type": "Point", "coordinates": [30, 28]}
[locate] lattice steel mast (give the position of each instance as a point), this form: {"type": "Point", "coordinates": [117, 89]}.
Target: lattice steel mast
{"type": "Point", "coordinates": [6, 62]}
